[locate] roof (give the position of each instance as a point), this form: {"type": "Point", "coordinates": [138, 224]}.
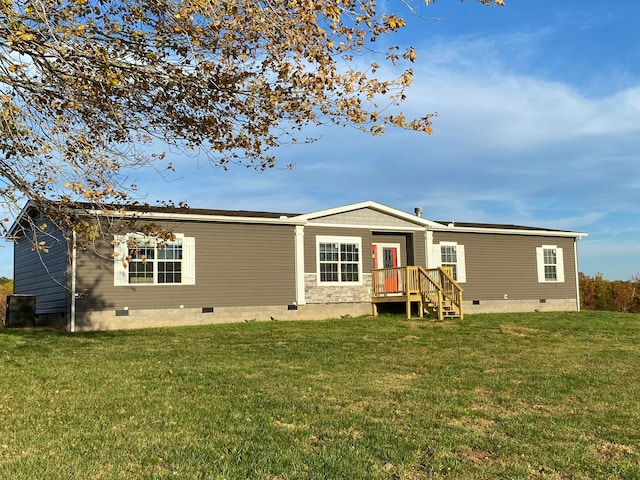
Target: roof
{"type": "Point", "coordinates": [251, 216]}
{"type": "Point", "coordinates": [394, 212]}
{"type": "Point", "coordinates": [444, 226]}
{"type": "Point", "coordinates": [161, 212]}
{"type": "Point", "coordinates": [500, 226]}
{"type": "Point", "coordinates": [213, 212]}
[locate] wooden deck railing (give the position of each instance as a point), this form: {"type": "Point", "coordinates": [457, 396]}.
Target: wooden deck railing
{"type": "Point", "coordinates": [451, 290]}
{"type": "Point", "coordinates": [432, 287]}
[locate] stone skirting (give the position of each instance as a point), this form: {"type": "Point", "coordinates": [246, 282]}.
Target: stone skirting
{"type": "Point", "coordinates": [319, 294]}
{"type": "Point", "coordinates": [130, 319]}
{"type": "Point", "coordinates": [507, 306]}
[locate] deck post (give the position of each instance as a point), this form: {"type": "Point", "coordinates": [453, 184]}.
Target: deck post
{"type": "Point", "coordinates": [421, 298]}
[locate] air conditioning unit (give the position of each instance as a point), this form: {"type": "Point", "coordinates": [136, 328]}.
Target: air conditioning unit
{"type": "Point", "coordinates": [21, 311]}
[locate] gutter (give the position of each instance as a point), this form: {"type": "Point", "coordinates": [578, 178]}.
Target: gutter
{"type": "Point", "coordinates": [284, 220]}
{"type": "Point", "coordinates": [510, 231]}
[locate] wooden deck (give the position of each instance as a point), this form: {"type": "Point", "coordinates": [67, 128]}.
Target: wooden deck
{"type": "Point", "coordinates": [434, 290]}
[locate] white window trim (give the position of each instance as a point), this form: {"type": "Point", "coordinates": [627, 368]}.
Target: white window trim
{"type": "Point", "coordinates": [461, 264]}
{"type": "Point", "coordinates": [337, 239]}
{"type": "Point", "coordinates": [120, 267]}
{"type": "Point", "coordinates": [559, 264]}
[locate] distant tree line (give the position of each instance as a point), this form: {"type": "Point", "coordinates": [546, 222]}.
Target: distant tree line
{"type": "Point", "coordinates": [6, 285]}
{"type": "Point", "coordinates": [6, 288]}
{"type": "Point", "coordinates": [596, 293]}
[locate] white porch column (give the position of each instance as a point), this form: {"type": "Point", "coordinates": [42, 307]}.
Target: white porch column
{"type": "Point", "coordinates": [428, 245]}
{"type": "Point", "coordinates": [299, 265]}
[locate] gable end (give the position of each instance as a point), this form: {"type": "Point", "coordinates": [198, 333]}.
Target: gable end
{"type": "Point", "coordinates": [367, 217]}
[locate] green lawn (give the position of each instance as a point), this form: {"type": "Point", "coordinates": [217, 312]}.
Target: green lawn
{"type": "Point", "coordinates": [538, 395]}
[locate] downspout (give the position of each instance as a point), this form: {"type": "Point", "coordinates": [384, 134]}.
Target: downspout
{"type": "Point", "coordinates": [72, 320]}
{"type": "Point", "coordinates": [575, 255]}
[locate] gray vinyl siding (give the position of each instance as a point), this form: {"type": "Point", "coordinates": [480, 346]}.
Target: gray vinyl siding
{"type": "Point", "coordinates": [235, 265]}
{"type": "Point", "coordinates": [419, 249]}
{"type": "Point", "coordinates": [412, 246]}
{"type": "Point", "coordinates": [310, 255]}
{"type": "Point", "coordinates": [43, 274]}
{"type": "Point", "coordinates": [367, 217]}
{"type": "Point", "coordinates": [499, 264]}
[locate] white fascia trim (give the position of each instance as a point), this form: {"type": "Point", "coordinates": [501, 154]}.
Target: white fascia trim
{"type": "Point", "coordinates": [14, 226]}
{"type": "Point", "coordinates": [142, 236]}
{"type": "Point", "coordinates": [508, 231]}
{"type": "Point", "coordinates": [373, 205]}
{"type": "Point", "coordinates": [198, 217]}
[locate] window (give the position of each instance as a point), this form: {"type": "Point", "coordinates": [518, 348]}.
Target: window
{"type": "Point", "coordinates": [170, 263]}
{"type": "Point", "coordinates": [339, 260]}
{"type": "Point", "coordinates": [550, 264]}
{"type": "Point", "coordinates": [140, 259]}
{"type": "Point", "coordinates": [450, 254]}
{"type": "Point", "coordinates": [449, 258]}
{"type": "Point", "coordinates": [145, 260]}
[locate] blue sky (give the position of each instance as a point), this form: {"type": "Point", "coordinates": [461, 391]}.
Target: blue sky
{"type": "Point", "coordinates": [539, 124]}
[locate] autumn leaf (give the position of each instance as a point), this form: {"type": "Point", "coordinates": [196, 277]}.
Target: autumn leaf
{"type": "Point", "coordinates": [89, 88]}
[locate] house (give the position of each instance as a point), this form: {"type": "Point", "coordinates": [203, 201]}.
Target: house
{"type": "Point", "coordinates": [223, 266]}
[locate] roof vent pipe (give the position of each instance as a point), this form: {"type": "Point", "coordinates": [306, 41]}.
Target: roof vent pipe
{"type": "Point", "coordinates": [418, 211]}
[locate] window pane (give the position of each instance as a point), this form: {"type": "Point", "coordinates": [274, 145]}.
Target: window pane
{"type": "Point", "coordinates": [454, 269]}
{"type": "Point", "coordinates": [349, 272]}
{"type": "Point", "coordinates": [349, 252]}
{"type": "Point", "coordinates": [550, 272]}
{"type": "Point", "coordinates": [170, 251]}
{"type": "Point", "coordinates": [388, 258]}
{"type": "Point", "coordinates": [169, 272]}
{"type": "Point", "coordinates": [328, 252]}
{"type": "Point", "coordinates": [142, 252]}
{"type": "Point", "coordinates": [448, 254]}
{"type": "Point", "coordinates": [140, 272]}
{"type": "Point", "coordinates": [550, 256]}
{"type": "Point", "coordinates": [328, 272]}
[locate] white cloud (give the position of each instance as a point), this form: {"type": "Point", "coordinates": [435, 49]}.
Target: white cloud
{"type": "Point", "coordinates": [506, 147]}
{"type": "Point", "coordinates": [511, 145]}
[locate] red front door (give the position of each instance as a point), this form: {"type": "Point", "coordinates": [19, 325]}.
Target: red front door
{"type": "Point", "coordinates": [386, 256]}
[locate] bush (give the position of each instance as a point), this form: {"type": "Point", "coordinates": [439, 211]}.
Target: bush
{"type": "Point", "coordinates": [6, 288]}
{"type": "Point", "coordinates": [596, 293]}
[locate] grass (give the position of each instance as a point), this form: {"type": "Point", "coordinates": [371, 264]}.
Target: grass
{"type": "Point", "coordinates": [544, 395]}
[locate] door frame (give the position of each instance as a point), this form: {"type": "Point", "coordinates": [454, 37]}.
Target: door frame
{"type": "Point", "coordinates": [377, 257]}
{"type": "Point", "coordinates": [390, 279]}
